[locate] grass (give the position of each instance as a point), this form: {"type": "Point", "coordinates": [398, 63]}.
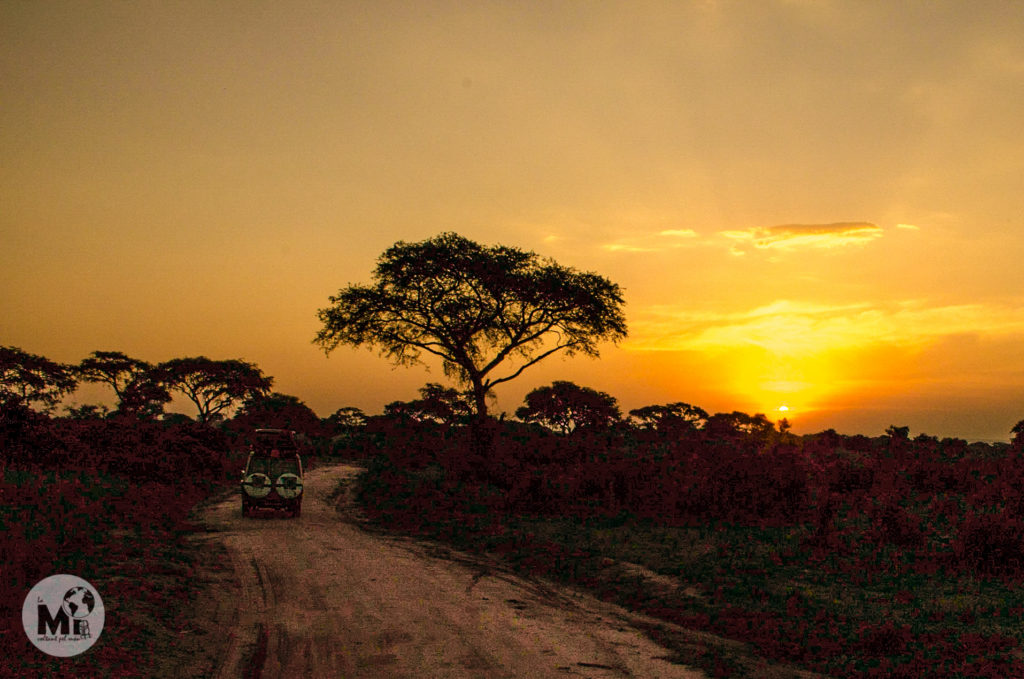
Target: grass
{"type": "Point", "coordinates": [127, 539]}
{"type": "Point", "coordinates": [723, 571]}
{"type": "Point", "coordinates": [752, 601]}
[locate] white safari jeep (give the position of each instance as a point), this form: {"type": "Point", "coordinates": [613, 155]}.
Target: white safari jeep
{"type": "Point", "coordinates": [272, 477]}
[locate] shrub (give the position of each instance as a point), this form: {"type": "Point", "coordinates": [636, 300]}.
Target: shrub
{"type": "Point", "coordinates": [991, 544]}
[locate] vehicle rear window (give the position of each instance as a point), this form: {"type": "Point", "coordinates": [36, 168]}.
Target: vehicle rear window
{"type": "Point", "coordinates": [268, 440]}
{"type": "Point", "coordinates": [273, 467]}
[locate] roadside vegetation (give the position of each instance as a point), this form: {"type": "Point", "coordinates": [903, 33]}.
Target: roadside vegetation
{"type": "Point", "coordinates": [843, 556]}
{"type": "Point", "coordinates": [108, 501]}
{"type": "Point", "coordinates": [769, 553]}
{"type": "Point", "coordinates": [107, 495]}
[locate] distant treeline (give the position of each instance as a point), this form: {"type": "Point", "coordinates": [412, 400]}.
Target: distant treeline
{"type": "Point", "coordinates": [563, 421]}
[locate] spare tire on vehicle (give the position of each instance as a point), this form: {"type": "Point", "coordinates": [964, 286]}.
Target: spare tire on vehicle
{"type": "Point", "coordinates": [256, 485]}
{"type": "Point", "coordinates": [288, 485]}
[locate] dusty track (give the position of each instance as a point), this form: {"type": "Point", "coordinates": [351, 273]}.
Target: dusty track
{"type": "Point", "coordinates": [319, 597]}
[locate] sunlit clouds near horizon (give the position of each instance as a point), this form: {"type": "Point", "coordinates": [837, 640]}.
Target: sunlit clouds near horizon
{"type": "Point", "coordinates": [791, 236]}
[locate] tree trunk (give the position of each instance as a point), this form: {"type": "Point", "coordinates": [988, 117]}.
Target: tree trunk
{"type": "Point", "coordinates": [480, 401]}
{"type": "Point", "coordinates": [481, 433]}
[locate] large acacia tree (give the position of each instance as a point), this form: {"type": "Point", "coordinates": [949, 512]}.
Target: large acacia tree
{"type": "Point", "coordinates": [488, 313]}
{"type": "Point", "coordinates": [212, 385]}
{"type": "Point", "coordinates": [131, 379]}
{"type": "Point", "coordinates": [113, 368]}
{"type": "Point", "coordinates": [28, 378]}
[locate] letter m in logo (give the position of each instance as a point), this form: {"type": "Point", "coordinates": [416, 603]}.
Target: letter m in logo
{"type": "Point", "coordinates": [48, 622]}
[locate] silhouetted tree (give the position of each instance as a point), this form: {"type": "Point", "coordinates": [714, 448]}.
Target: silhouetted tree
{"type": "Point", "coordinates": [144, 397]}
{"type": "Point", "coordinates": [346, 418]}
{"type": "Point", "coordinates": [27, 379]}
{"type": "Point", "coordinates": [737, 423]}
{"type": "Point", "coordinates": [670, 418]}
{"type": "Point", "coordinates": [1018, 434]}
{"type": "Point", "coordinates": [89, 411]}
{"type": "Point", "coordinates": [277, 411]}
{"type": "Point", "coordinates": [898, 433]}
{"type": "Point", "coordinates": [566, 407]}
{"type": "Point", "coordinates": [436, 403]}
{"type": "Point", "coordinates": [213, 386]}
{"type": "Point", "coordinates": [476, 308]}
{"type": "Point", "coordinates": [113, 368]}
{"type": "Point", "coordinates": [137, 392]}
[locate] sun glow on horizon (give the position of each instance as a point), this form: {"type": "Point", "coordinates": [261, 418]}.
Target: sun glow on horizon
{"type": "Point", "coordinates": [764, 378]}
{"type": "Point", "coordinates": [815, 357]}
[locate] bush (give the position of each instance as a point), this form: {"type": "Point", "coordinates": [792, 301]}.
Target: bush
{"type": "Point", "coordinates": [144, 450]}
{"type": "Point", "coordinates": [991, 544]}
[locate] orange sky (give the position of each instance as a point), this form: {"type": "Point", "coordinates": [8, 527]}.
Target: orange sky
{"type": "Point", "coordinates": [813, 204]}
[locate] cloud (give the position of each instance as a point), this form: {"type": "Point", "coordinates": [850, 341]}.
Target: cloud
{"type": "Point", "coordinates": [625, 247]}
{"type": "Point", "coordinates": [663, 240]}
{"type": "Point", "coordinates": [780, 238]}
{"type": "Point", "coordinates": [794, 236]}
{"type": "Point", "coordinates": [789, 328]}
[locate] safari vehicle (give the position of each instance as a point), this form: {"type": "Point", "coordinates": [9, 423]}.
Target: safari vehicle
{"type": "Point", "coordinates": [272, 477]}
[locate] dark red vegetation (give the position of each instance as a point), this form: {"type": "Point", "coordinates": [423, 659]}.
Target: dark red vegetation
{"type": "Point", "coordinates": [889, 520]}
{"type": "Point", "coordinates": [870, 532]}
{"type": "Point", "coordinates": [107, 500]}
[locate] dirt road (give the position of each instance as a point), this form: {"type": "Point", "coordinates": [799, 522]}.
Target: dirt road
{"type": "Point", "coordinates": [319, 597]}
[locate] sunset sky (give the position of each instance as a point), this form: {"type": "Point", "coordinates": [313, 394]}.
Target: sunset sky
{"type": "Point", "coordinates": [810, 204]}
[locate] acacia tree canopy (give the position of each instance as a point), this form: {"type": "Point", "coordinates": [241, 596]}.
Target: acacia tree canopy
{"type": "Point", "coordinates": [436, 403]}
{"type": "Point", "coordinates": [277, 411]}
{"type": "Point", "coordinates": [567, 407]}
{"type": "Point", "coordinates": [488, 313]}
{"type": "Point", "coordinates": [347, 417]}
{"type": "Point", "coordinates": [670, 417]}
{"type": "Point", "coordinates": [113, 368]}
{"type": "Point", "coordinates": [1018, 432]}
{"type": "Point", "coordinates": [144, 397]}
{"type": "Point", "coordinates": [26, 378]}
{"type": "Point", "coordinates": [213, 385]}
{"type": "Point", "coordinates": [131, 379]}
{"type": "Point", "coordinates": [739, 423]}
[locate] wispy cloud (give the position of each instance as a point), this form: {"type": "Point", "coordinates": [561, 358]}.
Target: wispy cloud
{"type": "Point", "coordinates": [794, 236]}
{"type": "Point", "coordinates": [657, 242]}
{"type": "Point", "coordinates": [775, 239]}
{"type": "Point", "coordinates": [790, 328]}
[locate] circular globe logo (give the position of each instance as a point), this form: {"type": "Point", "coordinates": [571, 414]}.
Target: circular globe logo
{"type": "Point", "coordinates": [79, 602]}
{"type": "Point", "coordinates": [63, 615]}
